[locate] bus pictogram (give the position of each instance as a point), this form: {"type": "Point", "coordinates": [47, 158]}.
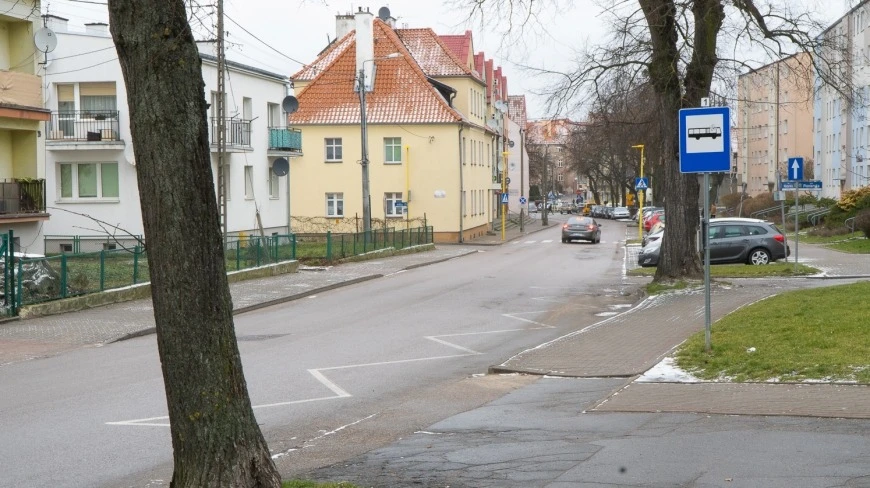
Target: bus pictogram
{"type": "Point", "coordinates": [699, 132]}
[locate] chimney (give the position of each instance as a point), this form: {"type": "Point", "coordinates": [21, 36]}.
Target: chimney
{"type": "Point", "coordinates": [97, 29]}
{"type": "Point", "coordinates": [55, 23]}
{"type": "Point", "coordinates": [343, 25]}
{"type": "Point", "coordinates": [365, 46]}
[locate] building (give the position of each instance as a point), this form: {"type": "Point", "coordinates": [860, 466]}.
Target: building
{"type": "Point", "coordinates": [432, 152]}
{"type": "Point", "coordinates": [774, 121]}
{"type": "Point", "coordinates": [842, 96]}
{"type": "Point", "coordinates": [90, 163]}
{"type": "Point", "coordinates": [22, 165]}
{"type": "Point", "coordinates": [518, 156]}
{"type": "Point", "coordinates": [550, 139]}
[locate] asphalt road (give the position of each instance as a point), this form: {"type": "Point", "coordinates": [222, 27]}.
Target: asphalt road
{"type": "Point", "coordinates": [372, 362]}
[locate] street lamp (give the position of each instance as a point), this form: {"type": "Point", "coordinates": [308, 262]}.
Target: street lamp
{"type": "Point", "coordinates": [367, 201]}
{"type": "Point", "coordinates": [640, 196]}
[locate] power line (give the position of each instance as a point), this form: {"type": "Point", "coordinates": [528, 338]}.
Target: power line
{"type": "Point", "coordinates": [262, 41]}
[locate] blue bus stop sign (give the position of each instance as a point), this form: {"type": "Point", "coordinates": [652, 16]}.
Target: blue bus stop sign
{"type": "Point", "coordinates": [705, 140]}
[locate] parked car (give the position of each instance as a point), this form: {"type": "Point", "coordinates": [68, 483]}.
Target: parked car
{"type": "Point", "coordinates": [620, 213]}
{"type": "Point", "coordinates": [742, 240]}
{"type": "Point", "coordinates": [649, 254]}
{"type": "Point", "coordinates": [654, 218]}
{"type": "Point", "coordinates": [653, 236]}
{"type": "Point", "coordinates": [581, 228]}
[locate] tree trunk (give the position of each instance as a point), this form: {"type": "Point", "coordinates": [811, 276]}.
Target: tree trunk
{"type": "Point", "coordinates": [215, 438]}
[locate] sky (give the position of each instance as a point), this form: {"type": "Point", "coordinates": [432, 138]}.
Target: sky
{"type": "Point", "coordinates": [282, 35]}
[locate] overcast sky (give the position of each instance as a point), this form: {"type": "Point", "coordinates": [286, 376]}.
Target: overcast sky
{"type": "Point", "coordinates": [297, 30]}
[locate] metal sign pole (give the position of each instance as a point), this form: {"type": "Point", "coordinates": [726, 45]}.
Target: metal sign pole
{"type": "Point", "coordinates": [706, 240]}
{"type": "Point", "coordinates": [795, 229]}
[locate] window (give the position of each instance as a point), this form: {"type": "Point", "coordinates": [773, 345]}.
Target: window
{"type": "Point", "coordinates": [88, 180]}
{"type": "Point", "coordinates": [393, 150]}
{"type": "Point", "coordinates": [273, 184]}
{"type": "Point", "coordinates": [390, 200]}
{"type": "Point", "coordinates": [98, 99]}
{"type": "Point", "coordinates": [333, 149]}
{"type": "Point", "coordinates": [109, 246]}
{"type": "Point", "coordinates": [560, 178]}
{"type": "Point", "coordinates": [249, 182]}
{"type": "Point", "coordinates": [335, 204]}
{"type": "Point", "coordinates": [560, 162]}
{"type": "Point", "coordinates": [66, 248]}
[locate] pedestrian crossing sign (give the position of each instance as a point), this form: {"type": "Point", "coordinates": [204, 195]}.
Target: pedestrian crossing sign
{"type": "Point", "coordinates": [504, 198]}
{"type": "Point", "coordinates": [641, 183]}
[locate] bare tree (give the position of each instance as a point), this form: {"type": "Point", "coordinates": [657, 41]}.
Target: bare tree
{"type": "Point", "coordinates": [678, 47]}
{"type": "Point", "coordinates": [215, 438]}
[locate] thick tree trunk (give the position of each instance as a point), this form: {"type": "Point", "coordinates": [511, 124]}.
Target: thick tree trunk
{"type": "Point", "coordinates": [215, 437]}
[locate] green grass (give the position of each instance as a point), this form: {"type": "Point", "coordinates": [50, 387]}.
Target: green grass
{"type": "Point", "coordinates": [856, 246]}
{"type": "Point", "coordinates": [743, 270]}
{"type": "Point", "coordinates": [818, 334]}
{"type": "Point", "coordinates": [314, 484]}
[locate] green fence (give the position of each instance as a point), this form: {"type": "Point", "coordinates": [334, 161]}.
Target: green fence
{"type": "Point", "coordinates": [329, 247]}
{"type": "Point", "coordinates": [42, 279]}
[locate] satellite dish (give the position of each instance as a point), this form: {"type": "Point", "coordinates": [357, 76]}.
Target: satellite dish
{"type": "Point", "coordinates": [281, 167]}
{"type": "Point", "coordinates": [290, 104]}
{"type": "Point", "coordinates": [45, 40]}
{"type": "Point", "coordinates": [500, 106]}
{"type": "Point", "coordinates": [384, 13]}
{"type": "Point", "coordinates": [511, 143]}
{"type": "Point", "coordinates": [492, 124]}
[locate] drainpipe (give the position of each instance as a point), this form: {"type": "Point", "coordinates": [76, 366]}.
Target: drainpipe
{"type": "Point", "coordinates": [461, 186]}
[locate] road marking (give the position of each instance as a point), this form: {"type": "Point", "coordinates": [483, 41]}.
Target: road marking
{"type": "Point", "coordinates": [340, 393]}
{"type": "Point", "coordinates": [547, 241]}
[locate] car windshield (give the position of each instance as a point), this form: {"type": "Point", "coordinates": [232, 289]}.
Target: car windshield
{"type": "Point", "coordinates": [579, 221]}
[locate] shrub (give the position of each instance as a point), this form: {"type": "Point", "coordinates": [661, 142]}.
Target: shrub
{"type": "Point", "coordinates": [758, 202]}
{"type": "Point", "coordinates": [862, 222]}
{"type": "Point", "coordinates": [828, 231]}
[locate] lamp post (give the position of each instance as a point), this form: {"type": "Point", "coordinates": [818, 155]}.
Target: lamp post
{"type": "Point", "coordinates": [640, 196]}
{"type": "Point", "coordinates": [364, 161]}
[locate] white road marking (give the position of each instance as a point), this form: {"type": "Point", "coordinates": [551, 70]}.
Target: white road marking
{"type": "Point", "coordinates": [339, 392]}
{"type": "Point", "coordinates": [547, 241]}
{"type": "Point", "coordinates": [321, 436]}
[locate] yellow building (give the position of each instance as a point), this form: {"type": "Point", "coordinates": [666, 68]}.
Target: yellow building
{"type": "Point", "coordinates": [425, 127]}
{"type": "Point", "coordinates": [22, 184]}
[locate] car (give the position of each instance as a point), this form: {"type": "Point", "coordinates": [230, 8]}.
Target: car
{"type": "Point", "coordinates": [653, 236]}
{"type": "Point", "coordinates": [620, 213]}
{"type": "Point", "coordinates": [581, 228]}
{"type": "Point", "coordinates": [608, 212]}
{"type": "Point", "coordinates": [653, 219]}
{"type": "Point", "coordinates": [649, 254]}
{"type": "Point", "coordinates": [743, 240]}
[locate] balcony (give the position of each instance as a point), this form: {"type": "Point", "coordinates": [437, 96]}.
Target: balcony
{"type": "Point", "coordinates": [285, 141]}
{"type": "Point", "coordinates": [22, 200]}
{"type": "Point", "coordinates": [237, 134]}
{"type": "Point", "coordinates": [81, 129]}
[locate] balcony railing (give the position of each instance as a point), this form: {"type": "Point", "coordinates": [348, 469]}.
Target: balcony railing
{"type": "Point", "coordinates": [84, 125]}
{"type": "Point", "coordinates": [21, 197]}
{"type": "Point", "coordinates": [285, 139]}
{"type": "Point", "coordinates": [237, 132]}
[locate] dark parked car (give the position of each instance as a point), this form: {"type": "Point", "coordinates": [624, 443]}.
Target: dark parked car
{"type": "Point", "coordinates": [581, 228]}
{"type": "Point", "coordinates": [750, 241]}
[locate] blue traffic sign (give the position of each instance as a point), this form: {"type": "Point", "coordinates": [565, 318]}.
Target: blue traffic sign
{"type": "Point", "coordinates": [504, 198]}
{"type": "Point", "coordinates": [523, 200]}
{"type": "Point", "coordinates": [641, 183]}
{"type": "Point", "coordinates": [787, 185]}
{"type": "Point", "coordinates": [810, 185]}
{"type": "Point", "coordinates": [795, 169]}
{"type": "Point", "coordinates": [399, 203]}
{"type": "Point", "coordinates": [705, 140]}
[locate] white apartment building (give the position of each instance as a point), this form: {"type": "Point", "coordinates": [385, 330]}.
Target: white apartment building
{"type": "Point", "coordinates": [842, 128]}
{"type": "Point", "coordinates": [90, 163]}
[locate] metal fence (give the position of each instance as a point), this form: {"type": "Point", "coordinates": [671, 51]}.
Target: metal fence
{"type": "Point", "coordinates": [69, 274]}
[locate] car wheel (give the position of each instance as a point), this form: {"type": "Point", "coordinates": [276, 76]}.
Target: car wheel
{"type": "Point", "coordinates": [564, 241]}
{"type": "Point", "coordinates": [759, 256]}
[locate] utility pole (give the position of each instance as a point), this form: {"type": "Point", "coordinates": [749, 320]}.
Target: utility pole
{"type": "Point", "coordinates": [522, 180]}
{"type": "Point", "coordinates": [366, 203]}
{"type": "Point", "coordinates": [221, 121]}
{"type": "Point", "coordinates": [544, 184]}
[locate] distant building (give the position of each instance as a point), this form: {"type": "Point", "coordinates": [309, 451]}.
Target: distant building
{"type": "Point", "coordinates": [774, 121]}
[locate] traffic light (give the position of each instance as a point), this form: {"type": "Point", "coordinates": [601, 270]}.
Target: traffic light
{"type": "Point", "coordinates": [629, 200]}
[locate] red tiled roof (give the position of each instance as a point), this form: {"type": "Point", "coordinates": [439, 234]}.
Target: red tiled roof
{"type": "Point", "coordinates": [460, 44]}
{"type": "Point", "coordinates": [323, 60]}
{"type": "Point", "coordinates": [433, 56]}
{"type": "Point", "coordinates": [489, 80]}
{"type": "Point", "coordinates": [401, 93]}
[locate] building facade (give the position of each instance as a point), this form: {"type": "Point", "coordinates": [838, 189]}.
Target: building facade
{"type": "Point", "coordinates": [22, 155]}
{"type": "Point", "coordinates": [774, 121]}
{"type": "Point", "coordinates": [90, 169]}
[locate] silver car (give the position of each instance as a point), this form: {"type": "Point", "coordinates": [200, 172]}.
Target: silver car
{"type": "Point", "coordinates": [620, 213]}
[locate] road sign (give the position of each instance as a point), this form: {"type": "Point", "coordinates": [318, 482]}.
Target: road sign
{"type": "Point", "coordinates": [399, 203]}
{"type": "Point", "coordinates": [705, 140]}
{"type": "Point", "coordinates": [641, 183]}
{"type": "Point", "coordinates": [504, 198]}
{"type": "Point", "coordinates": [787, 185]}
{"type": "Point", "coordinates": [796, 169]}
{"type": "Point", "coordinates": [810, 185]}
{"type": "Point", "coordinates": [523, 200]}
{"type": "Point", "coordinates": [507, 180]}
